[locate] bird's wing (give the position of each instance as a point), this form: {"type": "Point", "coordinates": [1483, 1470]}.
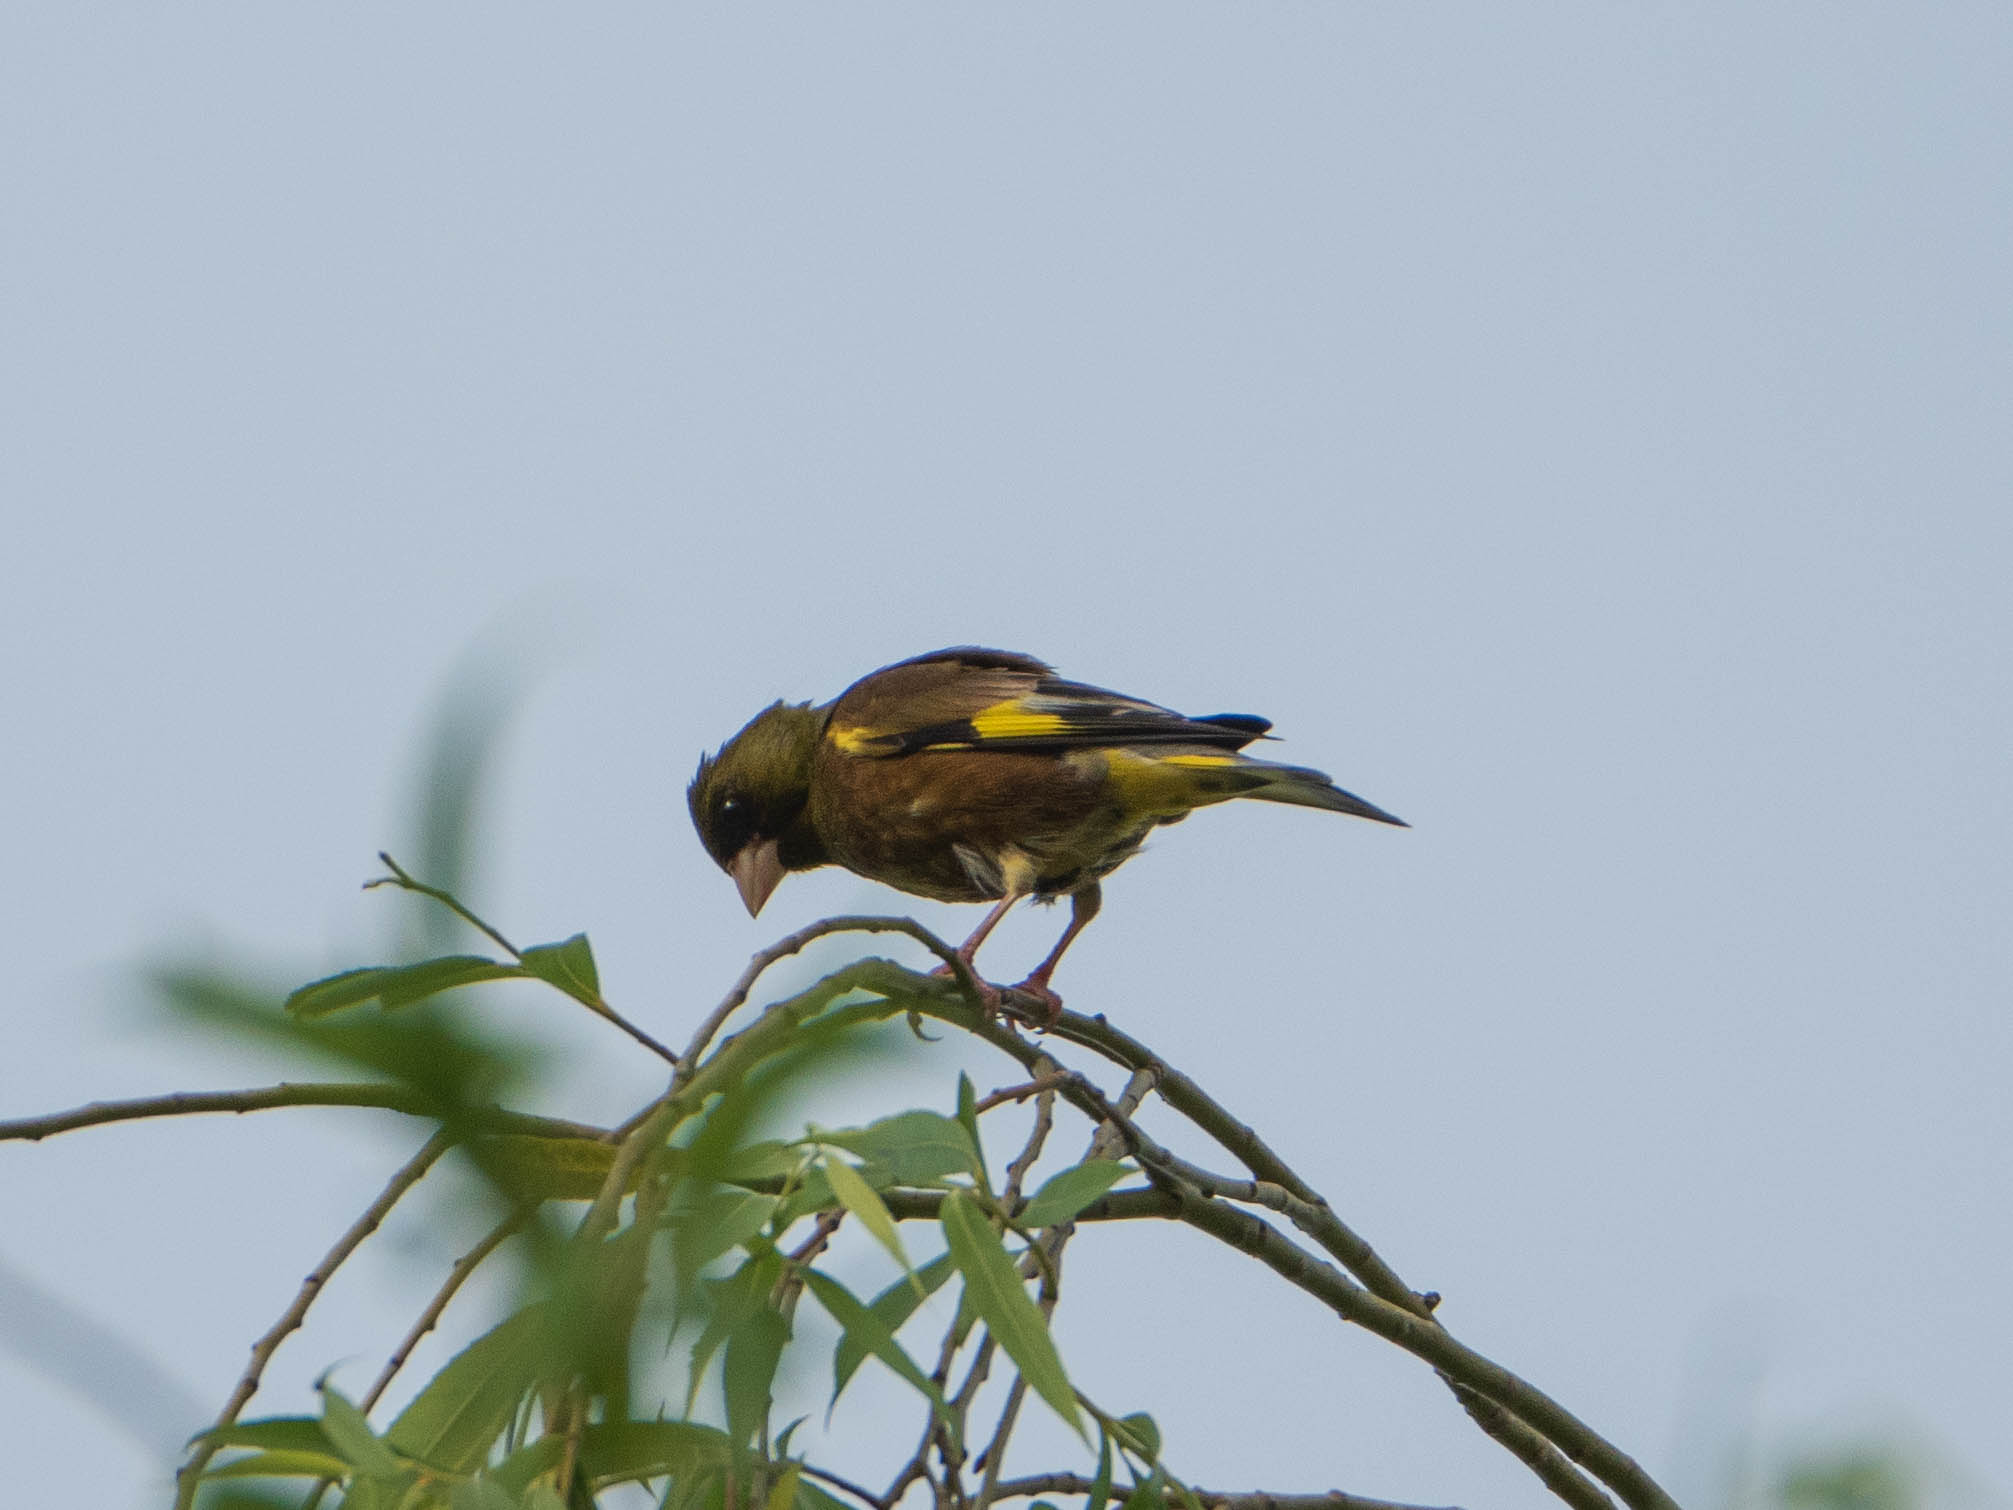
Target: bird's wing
{"type": "Point", "coordinates": [971, 699]}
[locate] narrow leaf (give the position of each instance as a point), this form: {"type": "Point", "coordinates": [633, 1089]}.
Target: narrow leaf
{"type": "Point", "coordinates": [482, 1494]}
{"type": "Point", "coordinates": [867, 1332]}
{"type": "Point", "coordinates": [994, 1289]}
{"type": "Point", "coordinates": [892, 1308]}
{"type": "Point", "coordinates": [968, 1115]}
{"type": "Point", "coordinates": [283, 1464]}
{"type": "Point", "coordinates": [278, 1433]}
{"type": "Point", "coordinates": [1100, 1487]}
{"type": "Point", "coordinates": [625, 1451]}
{"type": "Point", "coordinates": [345, 1426]}
{"type": "Point", "coordinates": [784, 1495]}
{"type": "Point", "coordinates": [753, 1351]}
{"type": "Point", "coordinates": [860, 1198]}
{"type": "Point", "coordinates": [546, 1169]}
{"type": "Point", "coordinates": [912, 1146]}
{"type": "Point", "coordinates": [1064, 1194]}
{"type": "Point", "coordinates": [452, 1423]}
{"type": "Point", "coordinates": [396, 985]}
{"type": "Point", "coordinates": [1141, 1435]}
{"type": "Point", "coordinates": [568, 965]}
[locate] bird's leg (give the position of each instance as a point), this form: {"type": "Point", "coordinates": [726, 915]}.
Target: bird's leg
{"type": "Point", "coordinates": [989, 994]}
{"type": "Point", "coordinates": [1083, 906]}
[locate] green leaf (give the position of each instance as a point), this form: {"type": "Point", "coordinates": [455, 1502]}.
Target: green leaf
{"type": "Point", "coordinates": [345, 1426]}
{"type": "Point", "coordinates": [784, 1495]}
{"type": "Point", "coordinates": [333, 993]}
{"type": "Point", "coordinates": [770, 1159]}
{"type": "Point", "coordinates": [453, 1422]}
{"type": "Point", "coordinates": [282, 1464]}
{"type": "Point", "coordinates": [546, 1169]}
{"type": "Point", "coordinates": [892, 1308]}
{"type": "Point", "coordinates": [278, 1433]}
{"type": "Point", "coordinates": [813, 1193]}
{"type": "Point", "coordinates": [482, 1494]}
{"type": "Point", "coordinates": [861, 1199]}
{"type": "Point", "coordinates": [624, 1451]}
{"type": "Point", "coordinates": [867, 1332]}
{"type": "Point", "coordinates": [704, 1224]}
{"type": "Point", "coordinates": [753, 1351]}
{"type": "Point", "coordinates": [994, 1289]}
{"type": "Point", "coordinates": [968, 1115]}
{"type": "Point", "coordinates": [568, 965]}
{"type": "Point", "coordinates": [1064, 1194]}
{"type": "Point", "coordinates": [540, 1497]}
{"type": "Point", "coordinates": [912, 1147]}
{"type": "Point", "coordinates": [397, 985]}
{"type": "Point", "coordinates": [1100, 1487]}
{"type": "Point", "coordinates": [735, 1298]}
{"type": "Point", "coordinates": [1149, 1494]}
{"type": "Point", "coordinates": [1140, 1435]}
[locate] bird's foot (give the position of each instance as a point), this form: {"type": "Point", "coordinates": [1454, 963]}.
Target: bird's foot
{"type": "Point", "coordinates": [1046, 1010]}
{"type": "Point", "coordinates": [992, 1000]}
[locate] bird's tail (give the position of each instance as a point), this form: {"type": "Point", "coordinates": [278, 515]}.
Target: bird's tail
{"type": "Point", "coordinates": [1176, 781]}
{"type": "Point", "coordinates": [1305, 788]}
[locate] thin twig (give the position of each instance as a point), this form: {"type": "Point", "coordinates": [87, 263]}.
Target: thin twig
{"type": "Point", "coordinates": [387, 1097]}
{"type": "Point", "coordinates": [262, 1350]}
{"type": "Point", "coordinates": [404, 879]}
{"type": "Point", "coordinates": [783, 948]}
{"type": "Point", "coordinates": [596, 1004]}
{"type": "Point", "coordinates": [1216, 1499]}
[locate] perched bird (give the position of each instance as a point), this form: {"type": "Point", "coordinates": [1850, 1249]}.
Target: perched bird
{"type": "Point", "coordinates": [972, 775]}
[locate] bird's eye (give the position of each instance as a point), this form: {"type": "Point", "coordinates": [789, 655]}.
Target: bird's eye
{"type": "Point", "coordinates": [729, 805]}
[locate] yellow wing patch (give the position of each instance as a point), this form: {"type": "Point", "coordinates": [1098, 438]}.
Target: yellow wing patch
{"type": "Point", "coordinates": [1010, 720]}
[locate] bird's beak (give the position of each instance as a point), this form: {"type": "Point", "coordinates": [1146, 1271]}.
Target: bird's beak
{"type": "Point", "coordinates": [756, 870]}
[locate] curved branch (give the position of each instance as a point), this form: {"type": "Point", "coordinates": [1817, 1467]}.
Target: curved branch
{"type": "Point", "coordinates": [387, 1097]}
{"type": "Point", "coordinates": [1216, 1499]}
{"type": "Point", "coordinates": [408, 1176]}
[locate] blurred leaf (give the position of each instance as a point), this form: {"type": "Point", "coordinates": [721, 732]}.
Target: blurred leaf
{"type": "Point", "coordinates": [543, 1497]}
{"type": "Point", "coordinates": [706, 1223]}
{"type": "Point", "coordinates": [545, 1169]}
{"type": "Point", "coordinates": [345, 1426]}
{"type": "Point", "coordinates": [1854, 1479]}
{"type": "Point", "coordinates": [568, 965]}
{"type": "Point", "coordinates": [1066, 1193]}
{"type": "Point", "coordinates": [771, 1159]}
{"type": "Point", "coordinates": [813, 1193]}
{"type": "Point", "coordinates": [453, 1422]}
{"type": "Point", "coordinates": [994, 1289]}
{"type": "Point", "coordinates": [912, 1147]}
{"type": "Point", "coordinates": [754, 1348]}
{"type": "Point", "coordinates": [482, 1494]}
{"type": "Point", "coordinates": [866, 1332]}
{"type": "Point", "coordinates": [1142, 1435]}
{"type": "Point", "coordinates": [278, 1433]}
{"type": "Point", "coordinates": [735, 1298]}
{"type": "Point", "coordinates": [284, 1463]}
{"type": "Point", "coordinates": [397, 985]}
{"type": "Point", "coordinates": [1100, 1486]}
{"type": "Point", "coordinates": [784, 1495]}
{"type": "Point", "coordinates": [892, 1308]}
{"type": "Point", "coordinates": [1149, 1494]}
{"type": "Point", "coordinates": [861, 1199]}
{"type": "Point", "coordinates": [811, 1497]}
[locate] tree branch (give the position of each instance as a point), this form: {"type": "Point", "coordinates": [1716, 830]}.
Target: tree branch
{"type": "Point", "coordinates": [262, 1351]}
{"type": "Point", "coordinates": [387, 1097]}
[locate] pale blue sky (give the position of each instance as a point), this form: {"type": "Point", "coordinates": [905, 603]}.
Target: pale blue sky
{"type": "Point", "coordinates": [1586, 431]}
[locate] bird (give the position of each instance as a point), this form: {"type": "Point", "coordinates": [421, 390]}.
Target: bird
{"type": "Point", "coordinates": [976, 775]}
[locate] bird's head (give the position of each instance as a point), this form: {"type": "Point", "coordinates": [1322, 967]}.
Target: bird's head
{"type": "Point", "coordinates": [748, 801]}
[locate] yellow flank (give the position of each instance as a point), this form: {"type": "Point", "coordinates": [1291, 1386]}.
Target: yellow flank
{"type": "Point", "coordinates": [1161, 785]}
{"type": "Point", "coordinates": [1009, 720]}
